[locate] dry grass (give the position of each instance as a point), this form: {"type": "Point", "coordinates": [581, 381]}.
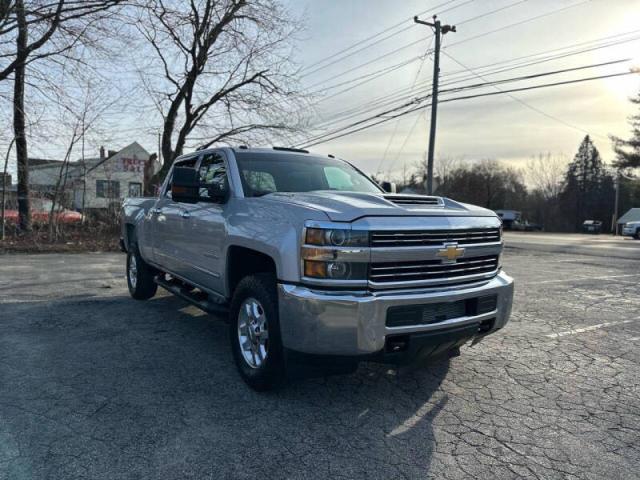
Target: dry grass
{"type": "Point", "coordinates": [77, 238]}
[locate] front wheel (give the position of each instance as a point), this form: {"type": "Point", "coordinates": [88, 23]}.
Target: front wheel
{"type": "Point", "coordinates": [254, 332]}
{"type": "Point", "coordinates": [140, 281]}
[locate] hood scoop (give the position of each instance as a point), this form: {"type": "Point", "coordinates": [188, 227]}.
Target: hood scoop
{"type": "Point", "coordinates": [415, 200]}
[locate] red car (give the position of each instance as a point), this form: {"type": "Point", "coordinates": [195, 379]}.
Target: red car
{"type": "Point", "coordinates": [40, 216]}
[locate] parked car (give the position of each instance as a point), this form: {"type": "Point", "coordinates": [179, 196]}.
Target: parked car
{"type": "Point", "coordinates": [592, 226]}
{"type": "Point", "coordinates": [526, 226]}
{"type": "Point", "coordinates": [314, 264]}
{"type": "Point", "coordinates": [42, 217]}
{"type": "Point", "coordinates": [632, 229]}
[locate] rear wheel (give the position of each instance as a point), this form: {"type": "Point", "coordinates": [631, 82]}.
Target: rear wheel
{"type": "Point", "coordinates": [254, 332]}
{"type": "Point", "coordinates": [140, 276]}
{"type": "Point", "coordinates": [637, 235]}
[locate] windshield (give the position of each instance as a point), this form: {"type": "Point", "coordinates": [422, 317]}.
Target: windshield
{"type": "Point", "coordinates": [274, 172]}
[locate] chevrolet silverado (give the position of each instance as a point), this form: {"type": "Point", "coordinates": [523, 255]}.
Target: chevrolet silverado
{"type": "Point", "coordinates": [313, 263]}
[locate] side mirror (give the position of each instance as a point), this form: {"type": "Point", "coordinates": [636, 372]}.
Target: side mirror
{"type": "Point", "coordinates": [185, 185]}
{"type": "Point", "coordinates": [389, 187]}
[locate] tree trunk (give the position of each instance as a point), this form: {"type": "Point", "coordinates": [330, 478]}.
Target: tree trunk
{"type": "Point", "coordinates": [4, 187]}
{"type": "Point", "coordinates": [24, 210]}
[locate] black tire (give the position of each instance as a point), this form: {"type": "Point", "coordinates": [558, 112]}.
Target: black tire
{"type": "Point", "coordinates": [258, 294]}
{"type": "Point", "coordinates": [637, 236]}
{"type": "Point", "coordinates": [140, 276]}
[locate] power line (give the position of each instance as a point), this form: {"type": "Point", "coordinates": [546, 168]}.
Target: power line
{"type": "Point", "coordinates": [603, 44]}
{"type": "Point", "coordinates": [482, 15]}
{"type": "Point", "coordinates": [531, 107]}
{"type": "Point", "coordinates": [543, 56]}
{"type": "Point", "coordinates": [382, 32]}
{"type": "Point", "coordinates": [415, 80]}
{"type": "Point", "coordinates": [392, 98]}
{"type": "Point", "coordinates": [408, 27]}
{"type": "Point", "coordinates": [386, 70]}
{"type": "Point", "coordinates": [336, 134]}
{"type": "Point", "coordinates": [521, 22]}
{"type": "Point", "coordinates": [388, 99]}
{"type": "Point", "coordinates": [532, 76]}
{"type": "Point", "coordinates": [406, 140]}
{"type": "Point", "coordinates": [411, 44]}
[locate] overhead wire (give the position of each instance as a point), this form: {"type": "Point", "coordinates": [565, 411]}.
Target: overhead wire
{"type": "Point", "coordinates": [399, 94]}
{"type": "Point", "coordinates": [341, 133]}
{"type": "Point", "coordinates": [408, 27]}
{"type": "Point", "coordinates": [416, 42]}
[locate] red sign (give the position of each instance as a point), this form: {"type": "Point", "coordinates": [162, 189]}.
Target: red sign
{"type": "Point", "coordinates": [134, 165]}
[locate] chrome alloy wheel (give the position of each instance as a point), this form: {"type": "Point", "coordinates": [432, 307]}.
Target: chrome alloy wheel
{"type": "Point", "coordinates": [253, 334]}
{"type": "Point", "coordinates": [133, 271]}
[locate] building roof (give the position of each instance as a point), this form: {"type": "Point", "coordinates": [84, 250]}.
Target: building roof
{"type": "Point", "coordinates": [633, 215]}
{"type": "Point", "coordinates": [42, 161]}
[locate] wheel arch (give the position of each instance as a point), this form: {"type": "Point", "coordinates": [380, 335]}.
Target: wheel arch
{"type": "Point", "coordinates": [242, 261]}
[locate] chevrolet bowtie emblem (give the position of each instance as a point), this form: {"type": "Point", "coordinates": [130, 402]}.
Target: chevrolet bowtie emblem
{"type": "Point", "coordinates": [450, 253]}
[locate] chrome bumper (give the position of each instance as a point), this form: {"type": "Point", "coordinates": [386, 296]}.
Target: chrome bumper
{"type": "Point", "coordinates": [334, 323]}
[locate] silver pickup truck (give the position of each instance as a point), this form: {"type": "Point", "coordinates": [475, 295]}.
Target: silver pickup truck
{"type": "Point", "coordinates": [315, 264]}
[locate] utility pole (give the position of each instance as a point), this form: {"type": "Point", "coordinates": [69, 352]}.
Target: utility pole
{"type": "Point", "coordinates": [439, 30]}
{"type": "Point", "coordinates": [617, 201]}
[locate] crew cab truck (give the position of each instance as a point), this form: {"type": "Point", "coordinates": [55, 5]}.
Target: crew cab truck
{"type": "Point", "coordinates": [313, 262]}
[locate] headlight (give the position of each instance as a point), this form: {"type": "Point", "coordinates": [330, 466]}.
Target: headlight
{"type": "Point", "coordinates": [337, 237]}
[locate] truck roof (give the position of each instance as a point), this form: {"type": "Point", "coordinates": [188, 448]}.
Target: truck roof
{"type": "Point", "coordinates": [280, 150]}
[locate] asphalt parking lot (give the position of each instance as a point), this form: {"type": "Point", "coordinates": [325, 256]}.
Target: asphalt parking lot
{"type": "Point", "coordinates": [96, 385]}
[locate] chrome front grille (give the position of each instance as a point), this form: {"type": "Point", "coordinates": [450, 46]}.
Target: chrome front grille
{"type": "Point", "coordinates": [434, 270]}
{"type": "Point", "coordinates": [415, 238]}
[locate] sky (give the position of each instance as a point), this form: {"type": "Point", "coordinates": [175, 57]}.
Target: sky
{"type": "Point", "coordinates": [509, 129]}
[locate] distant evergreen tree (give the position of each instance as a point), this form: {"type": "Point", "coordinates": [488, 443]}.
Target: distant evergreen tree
{"type": "Point", "coordinates": [588, 191]}
{"type": "Point", "coordinates": [628, 151]}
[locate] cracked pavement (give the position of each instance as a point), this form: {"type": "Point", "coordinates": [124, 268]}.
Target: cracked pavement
{"type": "Point", "coordinates": [96, 385]}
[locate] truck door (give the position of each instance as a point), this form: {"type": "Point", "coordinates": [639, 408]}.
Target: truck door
{"type": "Point", "coordinates": [170, 231]}
{"type": "Point", "coordinates": [204, 249]}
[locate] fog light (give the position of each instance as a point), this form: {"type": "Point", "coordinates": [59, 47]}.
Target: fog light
{"type": "Point", "coordinates": [337, 270]}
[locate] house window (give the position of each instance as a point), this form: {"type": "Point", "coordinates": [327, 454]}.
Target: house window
{"type": "Point", "coordinates": [107, 189]}
{"type": "Point", "coordinates": [135, 189]}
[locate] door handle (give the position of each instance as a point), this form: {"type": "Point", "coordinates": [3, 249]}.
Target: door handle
{"type": "Point", "coordinates": [186, 214]}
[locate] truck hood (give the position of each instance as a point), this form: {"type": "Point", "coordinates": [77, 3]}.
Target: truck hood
{"type": "Point", "coordinates": [350, 206]}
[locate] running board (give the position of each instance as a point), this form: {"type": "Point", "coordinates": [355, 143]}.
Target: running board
{"type": "Point", "coordinates": [198, 298]}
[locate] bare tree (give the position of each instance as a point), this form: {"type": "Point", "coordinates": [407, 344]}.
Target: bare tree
{"type": "Point", "coordinates": [545, 174]}
{"type": "Point", "coordinates": [32, 31]}
{"type": "Point", "coordinates": [221, 71]}
{"type": "Point", "coordinates": [79, 116]}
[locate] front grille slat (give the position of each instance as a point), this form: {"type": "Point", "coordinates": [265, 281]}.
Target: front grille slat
{"type": "Point", "coordinates": [432, 269]}
{"type": "Point", "coordinates": [422, 265]}
{"type": "Point", "coordinates": [428, 238]}
{"type": "Point", "coordinates": [434, 237]}
{"type": "Point", "coordinates": [438, 234]}
{"type": "Point", "coordinates": [422, 271]}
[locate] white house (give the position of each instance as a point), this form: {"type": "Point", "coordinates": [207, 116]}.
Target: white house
{"type": "Point", "coordinates": [98, 183]}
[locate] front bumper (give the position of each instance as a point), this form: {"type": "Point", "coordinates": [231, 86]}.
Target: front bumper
{"type": "Point", "coordinates": [354, 324]}
{"type": "Point", "coordinates": [628, 231]}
